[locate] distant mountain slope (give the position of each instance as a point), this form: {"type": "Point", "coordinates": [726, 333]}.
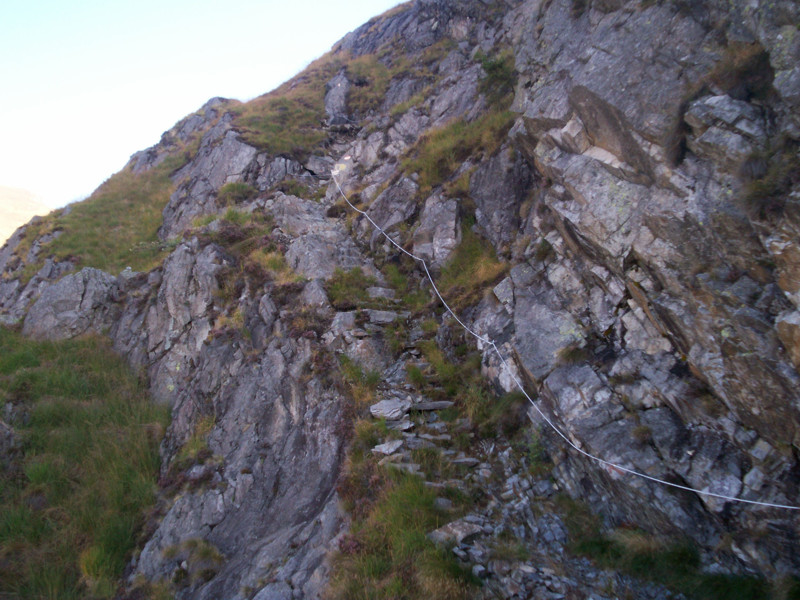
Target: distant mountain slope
{"type": "Point", "coordinates": [16, 208]}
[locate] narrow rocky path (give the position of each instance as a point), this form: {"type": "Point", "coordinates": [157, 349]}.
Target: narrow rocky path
{"type": "Point", "coordinates": [514, 537]}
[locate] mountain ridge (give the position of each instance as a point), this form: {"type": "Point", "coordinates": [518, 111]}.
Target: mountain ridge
{"type": "Point", "coordinates": [618, 232]}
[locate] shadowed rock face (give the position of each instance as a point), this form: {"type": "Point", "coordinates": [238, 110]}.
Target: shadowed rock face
{"type": "Point", "coordinates": [652, 314]}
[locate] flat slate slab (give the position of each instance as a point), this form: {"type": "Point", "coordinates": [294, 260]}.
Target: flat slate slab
{"type": "Point", "coordinates": [392, 409]}
{"type": "Point", "coordinates": [456, 532]}
{"type": "Point", "coordinates": [389, 447]}
{"type": "Point", "coordinates": [433, 405]}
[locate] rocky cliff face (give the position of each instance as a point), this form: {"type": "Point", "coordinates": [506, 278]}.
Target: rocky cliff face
{"type": "Point", "coordinates": [642, 196]}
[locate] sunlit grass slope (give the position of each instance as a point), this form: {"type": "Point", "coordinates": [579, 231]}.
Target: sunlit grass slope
{"type": "Point", "coordinates": [73, 500]}
{"type": "Point", "coordinates": [116, 227]}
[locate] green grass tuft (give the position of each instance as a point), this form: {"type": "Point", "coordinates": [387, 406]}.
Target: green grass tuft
{"type": "Point", "coordinates": [236, 192]}
{"type": "Point", "coordinates": [674, 565]}
{"type": "Point", "coordinates": [498, 85]}
{"type": "Point", "coordinates": [347, 290]}
{"type": "Point", "coordinates": [439, 153]}
{"type": "Point", "coordinates": [471, 270]}
{"type": "Point", "coordinates": [387, 554]}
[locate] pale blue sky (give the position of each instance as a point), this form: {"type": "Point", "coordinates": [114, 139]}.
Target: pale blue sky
{"type": "Point", "coordinates": [86, 83]}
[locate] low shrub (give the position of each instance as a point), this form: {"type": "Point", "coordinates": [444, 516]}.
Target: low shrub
{"type": "Point", "coordinates": [472, 269]}
{"type": "Point", "coordinates": [347, 290]}
{"type": "Point", "coordinates": [412, 297]}
{"type": "Point", "coordinates": [387, 554]}
{"type": "Point", "coordinates": [236, 192]}
{"type": "Point", "coordinates": [501, 77]}
{"type": "Point", "coordinates": [362, 384]}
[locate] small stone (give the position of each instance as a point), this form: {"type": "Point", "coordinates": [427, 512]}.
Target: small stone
{"type": "Point", "coordinates": [477, 519]}
{"type": "Point", "coordinates": [467, 461]}
{"type": "Point", "coordinates": [389, 447]}
{"type": "Point", "coordinates": [460, 554]}
{"type": "Point", "coordinates": [433, 405]}
{"type": "Point", "coordinates": [479, 571]}
{"type": "Point", "coordinates": [455, 532]}
{"type": "Point", "coordinates": [196, 473]}
{"type": "Point", "coordinates": [443, 504]}
{"type": "Point", "coordinates": [435, 438]}
{"type": "Point", "coordinates": [314, 294]}
{"type": "Point", "coordinates": [504, 291]}
{"type": "Point", "coordinates": [543, 488]}
{"type": "Point", "coordinates": [379, 292]}
{"type": "Point", "coordinates": [403, 425]}
{"type": "Point", "coordinates": [391, 410]}
{"type": "Point", "coordinates": [761, 450]}
{"type": "Point", "coordinates": [484, 473]}
{"type": "Point", "coordinates": [754, 479]}
{"type": "Point", "coordinates": [381, 317]}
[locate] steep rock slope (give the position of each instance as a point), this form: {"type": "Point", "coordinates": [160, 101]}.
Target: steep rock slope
{"type": "Point", "coordinates": [641, 194]}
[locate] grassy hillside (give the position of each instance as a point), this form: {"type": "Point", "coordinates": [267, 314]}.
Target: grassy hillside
{"type": "Point", "coordinates": [116, 227]}
{"type": "Point", "coordinates": [73, 499]}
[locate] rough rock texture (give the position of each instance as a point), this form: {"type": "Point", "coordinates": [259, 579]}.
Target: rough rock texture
{"type": "Point", "coordinates": [438, 233]}
{"type": "Point", "coordinates": [76, 304]}
{"type": "Point", "coordinates": [650, 301]}
{"type": "Point", "coordinates": [336, 99]}
{"type": "Point", "coordinates": [660, 232]}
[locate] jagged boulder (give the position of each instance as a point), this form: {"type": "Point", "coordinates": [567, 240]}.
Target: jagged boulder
{"type": "Point", "coordinates": [222, 158]}
{"type": "Point", "coordinates": [438, 233]}
{"type": "Point", "coordinates": [87, 301]}
{"type": "Point", "coordinates": [336, 99]}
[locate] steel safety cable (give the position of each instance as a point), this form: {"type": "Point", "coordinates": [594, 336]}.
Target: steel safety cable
{"type": "Point", "coordinates": [519, 385]}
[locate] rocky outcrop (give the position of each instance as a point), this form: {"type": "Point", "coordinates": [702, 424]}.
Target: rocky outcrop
{"type": "Point", "coordinates": [180, 136]}
{"type": "Point", "coordinates": [75, 305]}
{"type": "Point", "coordinates": [649, 296]}
{"type": "Point", "coordinates": [336, 99]}
{"type": "Point", "coordinates": [658, 230]}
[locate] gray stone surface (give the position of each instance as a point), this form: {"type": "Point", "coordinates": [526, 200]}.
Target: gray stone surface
{"type": "Point", "coordinates": [391, 409]}
{"type": "Point", "coordinates": [81, 303]}
{"type": "Point", "coordinates": [455, 532]}
{"type": "Point", "coordinates": [392, 207]}
{"type": "Point", "coordinates": [336, 100]}
{"type": "Point", "coordinates": [652, 318]}
{"type": "Point", "coordinates": [498, 187]}
{"type": "Point", "coordinates": [439, 232]}
{"type": "Point", "coordinates": [219, 161]}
